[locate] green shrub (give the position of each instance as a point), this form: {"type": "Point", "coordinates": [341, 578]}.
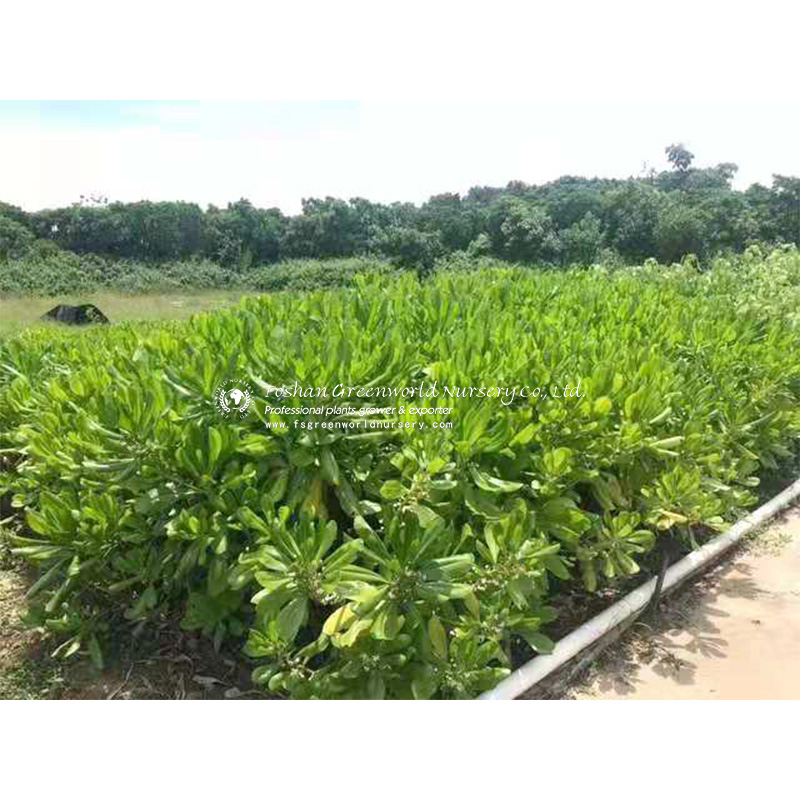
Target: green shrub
{"type": "Point", "coordinates": [395, 563]}
{"type": "Point", "coordinates": [304, 275]}
{"type": "Point", "coordinates": [47, 271]}
{"type": "Point", "coordinates": [15, 239]}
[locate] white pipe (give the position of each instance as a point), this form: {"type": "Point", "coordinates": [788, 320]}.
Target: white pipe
{"type": "Point", "coordinates": [540, 667]}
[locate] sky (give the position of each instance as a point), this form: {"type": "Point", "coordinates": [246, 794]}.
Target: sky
{"type": "Point", "coordinates": [275, 153]}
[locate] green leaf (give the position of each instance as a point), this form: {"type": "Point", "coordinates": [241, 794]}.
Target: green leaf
{"type": "Point", "coordinates": [491, 542]}
{"type": "Point", "coordinates": [338, 620]}
{"type": "Point", "coordinates": [525, 436]}
{"type": "Point", "coordinates": [589, 575]}
{"type": "Point", "coordinates": [438, 637]}
{"type": "Point", "coordinates": [602, 405]}
{"type": "Point", "coordinates": [392, 490]}
{"type": "Point", "coordinates": [251, 520]}
{"type": "Point", "coordinates": [539, 642]}
{"type": "Point", "coordinates": [472, 604]}
{"type": "Point", "coordinates": [95, 652]}
{"type": "Point", "coordinates": [556, 565]}
{"type": "Point", "coordinates": [330, 469]}
{"type": "Point", "coordinates": [376, 688]}
{"type": "Point", "coordinates": [491, 484]}
{"type": "Point", "coordinates": [46, 579]}
{"type": "Point", "coordinates": [368, 599]}
{"type": "Point", "coordinates": [257, 446]}
{"type": "Point", "coordinates": [425, 683]}
{"type": "Point", "coordinates": [292, 617]}
{"type": "Point", "coordinates": [214, 446]}
{"type": "Point", "coordinates": [387, 623]}
{"type": "Point", "coordinates": [557, 461]}
{"type": "Point", "coordinates": [426, 516]}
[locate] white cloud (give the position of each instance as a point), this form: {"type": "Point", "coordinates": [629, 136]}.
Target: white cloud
{"type": "Point", "coordinates": [383, 151]}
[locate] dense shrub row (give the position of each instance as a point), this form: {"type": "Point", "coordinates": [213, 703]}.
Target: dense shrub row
{"type": "Point", "coordinates": [396, 563]}
{"type": "Point", "coordinates": [62, 273]}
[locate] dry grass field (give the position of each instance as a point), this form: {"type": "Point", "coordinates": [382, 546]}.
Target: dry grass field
{"type": "Point", "coordinates": [21, 312]}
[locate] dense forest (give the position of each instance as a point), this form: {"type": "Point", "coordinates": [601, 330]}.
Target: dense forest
{"type": "Point", "coordinates": [663, 215]}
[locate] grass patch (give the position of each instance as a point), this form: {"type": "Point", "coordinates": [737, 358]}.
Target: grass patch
{"type": "Point", "coordinates": [17, 313]}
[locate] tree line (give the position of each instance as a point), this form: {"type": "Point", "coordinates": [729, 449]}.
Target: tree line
{"type": "Point", "coordinates": [662, 214]}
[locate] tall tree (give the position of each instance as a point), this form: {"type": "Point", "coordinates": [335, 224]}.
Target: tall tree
{"type": "Point", "coordinates": [679, 157]}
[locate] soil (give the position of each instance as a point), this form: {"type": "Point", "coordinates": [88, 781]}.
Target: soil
{"type": "Point", "coordinates": [168, 664]}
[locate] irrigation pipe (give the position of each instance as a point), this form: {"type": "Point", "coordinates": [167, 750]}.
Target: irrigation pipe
{"type": "Point", "coordinates": [528, 675]}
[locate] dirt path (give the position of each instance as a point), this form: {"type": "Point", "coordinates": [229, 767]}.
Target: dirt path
{"type": "Point", "coordinates": [733, 635]}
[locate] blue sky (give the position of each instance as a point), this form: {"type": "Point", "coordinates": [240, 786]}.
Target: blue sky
{"type": "Point", "coordinates": [186, 116]}
{"type": "Point", "coordinates": [276, 153]}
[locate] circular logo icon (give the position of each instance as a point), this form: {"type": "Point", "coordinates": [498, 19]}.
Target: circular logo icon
{"type": "Point", "coordinates": [233, 397]}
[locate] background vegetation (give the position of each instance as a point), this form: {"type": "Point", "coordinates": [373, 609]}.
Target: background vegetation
{"type": "Point", "coordinates": [163, 246]}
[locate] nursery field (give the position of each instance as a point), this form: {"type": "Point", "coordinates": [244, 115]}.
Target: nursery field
{"type": "Point", "coordinates": [411, 560]}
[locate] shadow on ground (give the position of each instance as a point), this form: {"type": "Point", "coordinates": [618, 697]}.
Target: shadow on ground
{"type": "Point", "coordinates": [167, 664]}
{"type": "Point", "coordinates": [733, 633]}
{"type": "Point", "coordinates": [685, 625]}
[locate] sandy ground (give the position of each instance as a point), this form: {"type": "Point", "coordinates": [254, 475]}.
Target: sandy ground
{"type": "Point", "coordinates": [734, 635]}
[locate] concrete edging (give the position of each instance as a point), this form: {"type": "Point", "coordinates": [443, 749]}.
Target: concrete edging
{"type": "Point", "coordinates": [586, 641]}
